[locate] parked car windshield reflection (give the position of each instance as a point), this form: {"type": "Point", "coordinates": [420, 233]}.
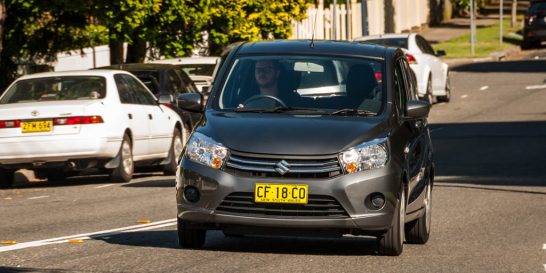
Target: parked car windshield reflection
{"type": "Point", "coordinates": [303, 82]}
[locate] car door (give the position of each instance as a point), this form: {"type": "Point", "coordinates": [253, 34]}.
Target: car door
{"type": "Point", "coordinates": [413, 130]}
{"type": "Point", "coordinates": [436, 65]}
{"type": "Point", "coordinates": [135, 116]}
{"type": "Point", "coordinates": [159, 121]}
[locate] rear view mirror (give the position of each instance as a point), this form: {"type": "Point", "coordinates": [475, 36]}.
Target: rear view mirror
{"type": "Point", "coordinates": [417, 109]}
{"type": "Point", "coordinates": [192, 102]}
{"type": "Point", "coordinates": [440, 53]}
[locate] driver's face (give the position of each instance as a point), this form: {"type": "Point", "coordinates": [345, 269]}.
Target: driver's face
{"type": "Point", "coordinates": [266, 74]}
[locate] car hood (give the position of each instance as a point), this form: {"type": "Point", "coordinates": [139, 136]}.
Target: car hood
{"type": "Point", "coordinates": [284, 134]}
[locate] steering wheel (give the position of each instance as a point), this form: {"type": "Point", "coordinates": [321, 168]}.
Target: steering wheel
{"type": "Point", "coordinates": [260, 97]}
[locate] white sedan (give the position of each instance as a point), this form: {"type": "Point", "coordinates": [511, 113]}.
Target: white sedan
{"type": "Point", "coordinates": [60, 123]}
{"type": "Point", "coordinates": [431, 72]}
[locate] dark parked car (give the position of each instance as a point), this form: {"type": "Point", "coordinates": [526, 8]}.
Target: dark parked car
{"type": "Point", "coordinates": [534, 30]}
{"type": "Point", "coordinates": [166, 82]}
{"type": "Point", "coordinates": [301, 138]}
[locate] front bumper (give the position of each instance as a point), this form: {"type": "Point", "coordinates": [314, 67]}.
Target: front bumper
{"type": "Point", "coordinates": [349, 190]}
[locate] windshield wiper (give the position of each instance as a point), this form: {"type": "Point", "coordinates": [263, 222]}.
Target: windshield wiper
{"type": "Point", "coordinates": [280, 109]}
{"type": "Point", "coordinates": [350, 111]}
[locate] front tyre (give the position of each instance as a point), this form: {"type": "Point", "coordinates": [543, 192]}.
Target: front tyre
{"type": "Point", "coordinates": [177, 146]}
{"type": "Point", "coordinates": [6, 179]}
{"type": "Point", "coordinates": [418, 231]}
{"type": "Point", "coordinates": [447, 96]}
{"type": "Point", "coordinates": [391, 243]}
{"type": "Point", "coordinates": [124, 171]}
{"type": "Point", "coordinates": [190, 237]}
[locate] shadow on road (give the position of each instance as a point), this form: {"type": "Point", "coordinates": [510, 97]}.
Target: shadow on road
{"type": "Point", "coordinates": [524, 66]}
{"type": "Point", "coordinates": [216, 241]}
{"type": "Point", "coordinates": [6, 269]}
{"type": "Point", "coordinates": [491, 153]}
{"type": "Point", "coordinates": [92, 179]}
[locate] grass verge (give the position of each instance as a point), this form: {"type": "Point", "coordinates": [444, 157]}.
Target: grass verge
{"type": "Point", "coordinates": [487, 41]}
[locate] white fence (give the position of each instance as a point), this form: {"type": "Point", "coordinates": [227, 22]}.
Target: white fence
{"type": "Point", "coordinates": [408, 15]}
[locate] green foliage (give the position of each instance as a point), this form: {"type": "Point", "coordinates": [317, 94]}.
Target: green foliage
{"type": "Point", "coordinates": [232, 20]}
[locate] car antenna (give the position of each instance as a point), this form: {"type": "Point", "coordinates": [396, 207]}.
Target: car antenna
{"type": "Point", "coordinates": [312, 44]}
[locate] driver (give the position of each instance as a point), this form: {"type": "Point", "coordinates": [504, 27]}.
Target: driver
{"type": "Point", "coordinates": [266, 74]}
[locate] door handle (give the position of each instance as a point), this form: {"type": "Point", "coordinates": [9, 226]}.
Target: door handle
{"type": "Point", "coordinates": [130, 116]}
{"type": "Point", "coordinates": [150, 116]}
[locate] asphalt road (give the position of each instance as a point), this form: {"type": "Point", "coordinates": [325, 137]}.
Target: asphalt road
{"type": "Point", "coordinates": [489, 203]}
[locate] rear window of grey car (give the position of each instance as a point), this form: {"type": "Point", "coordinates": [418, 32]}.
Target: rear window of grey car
{"type": "Point", "coordinates": [56, 89]}
{"type": "Point", "coordinates": [316, 82]}
{"type": "Point", "coordinates": [395, 42]}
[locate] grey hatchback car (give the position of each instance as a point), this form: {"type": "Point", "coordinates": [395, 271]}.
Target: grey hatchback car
{"type": "Point", "coordinates": [308, 139]}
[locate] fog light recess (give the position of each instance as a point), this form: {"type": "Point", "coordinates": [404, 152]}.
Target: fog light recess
{"type": "Point", "coordinates": [375, 201]}
{"type": "Point", "coordinates": [191, 194]}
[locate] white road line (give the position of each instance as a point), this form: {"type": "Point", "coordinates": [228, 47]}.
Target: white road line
{"type": "Point", "coordinates": [464, 96]}
{"type": "Point", "coordinates": [485, 87]}
{"type": "Point", "coordinates": [544, 247]}
{"type": "Point", "coordinates": [64, 239]}
{"type": "Point", "coordinates": [531, 87]}
{"type": "Point", "coordinates": [104, 186]}
{"type": "Point", "coordinates": [38, 197]}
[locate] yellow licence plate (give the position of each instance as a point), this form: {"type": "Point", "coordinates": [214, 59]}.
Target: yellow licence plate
{"type": "Point", "coordinates": [36, 126]}
{"type": "Point", "coordinates": [281, 193]}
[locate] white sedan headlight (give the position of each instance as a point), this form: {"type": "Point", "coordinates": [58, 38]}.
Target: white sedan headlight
{"type": "Point", "coordinates": [204, 150]}
{"type": "Point", "coordinates": [366, 156]}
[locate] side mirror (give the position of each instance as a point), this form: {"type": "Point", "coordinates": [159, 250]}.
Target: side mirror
{"type": "Point", "coordinates": [192, 102]}
{"type": "Point", "coordinates": [417, 109]}
{"type": "Point", "coordinates": [440, 53]}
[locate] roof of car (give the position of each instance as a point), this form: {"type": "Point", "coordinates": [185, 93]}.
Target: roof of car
{"type": "Point", "coordinates": [97, 72]}
{"type": "Point", "coordinates": [385, 36]}
{"type": "Point", "coordinates": [188, 60]}
{"type": "Point", "coordinates": [138, 67]}
{"type": "Point", "coordinates": [316, 47]}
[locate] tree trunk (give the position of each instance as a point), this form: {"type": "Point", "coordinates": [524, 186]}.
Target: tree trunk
{"type": "Point", "coordinates": [2, 17]}
{"type": "Point", "coordinates": [136, 52]}
{"type": "Point", "coordinates": [389, 16]}
{"type": "Point", "coordinates": [514, 13]}
{"type": "Point", "coordinates": [116, 51]}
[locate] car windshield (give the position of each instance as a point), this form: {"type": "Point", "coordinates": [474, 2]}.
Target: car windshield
{"type": "Point", "coordinates": [198, 69]}
{"type": "Point", "coordinates": [56, 88]}
{"type": "Point", "coordinates": [395, 42]}
{"type": "Point", "coordinates": [303, 83]}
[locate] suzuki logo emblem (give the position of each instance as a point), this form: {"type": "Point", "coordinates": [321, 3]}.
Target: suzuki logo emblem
{"type": "Point", "coordinates": [282, 167]}
{"type": "Point", "coordinates": [34, 113]}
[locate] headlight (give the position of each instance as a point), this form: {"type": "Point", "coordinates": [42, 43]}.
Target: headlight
{"type": "Point", "coordinates": [366, 156]}
{"type": "Point", "coordinates": [203, 149]}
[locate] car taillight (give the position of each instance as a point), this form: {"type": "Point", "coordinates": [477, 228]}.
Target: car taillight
{"type": "Point", "coordinates": [530, 18]}
{"type": "Point", "coordinates": [378, 76]}
{"type": "Point", "coordinates": [78, 120]}
{"type": "Point", "coordinates": [411, 59]}
{"type": "Point", "coordinates": [10, 124]}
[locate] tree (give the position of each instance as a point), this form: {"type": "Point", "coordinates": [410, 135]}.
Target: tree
{"type": "Point", "coordinates": [2, 17]}
{"type": "Point", "coordinates": [232, 21]}
{"type": "Point", "coordinates": [40, 30]}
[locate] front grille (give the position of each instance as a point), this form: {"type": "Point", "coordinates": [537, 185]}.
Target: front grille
{"type": "Point", "coordinates": [268, 166]}
{"type": "Point", "coordinates": [318, 206]}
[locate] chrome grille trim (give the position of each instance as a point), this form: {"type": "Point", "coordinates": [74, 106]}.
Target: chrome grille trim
{"type": "Point", "coordinates": [296, 166]}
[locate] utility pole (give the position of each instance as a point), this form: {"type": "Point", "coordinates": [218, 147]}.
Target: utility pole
{"type": "Point", "coordinates": [334, 21]}
{"type": "Point", "coordinates": [501, 13]}
{"type": "Point", "coordinates": [472, 28]}
{"type": "Point", "coordinates": [514, 13]}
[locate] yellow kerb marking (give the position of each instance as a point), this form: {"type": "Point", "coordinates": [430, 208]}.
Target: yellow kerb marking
{"type": "Point", "coordinates": [144, 221]}
{"type": "Point", "coordinates": [75, 241]}
{"type": "Point", "coordinates": [9, 242]}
